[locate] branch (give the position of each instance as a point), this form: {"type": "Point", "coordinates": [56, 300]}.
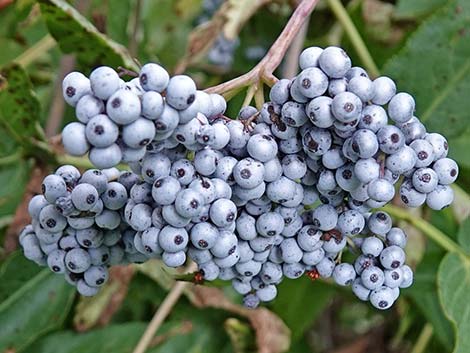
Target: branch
{"type": "Point", "coordinates": [291, 65]}
{"type": "Point", "coordinates": [263, 71]}
{"type": "Point", "coordinates": [163, 311]}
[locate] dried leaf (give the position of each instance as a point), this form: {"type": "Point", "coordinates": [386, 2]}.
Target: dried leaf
{"type": "Point", "coordinates": [378, 20]}
{"type": "Point", "coordinates": [229, 19]}
{"type": "Point", "coordinates": [238, 13]}
{"type": "Point", "coordinates": [98, 310]}
{"type": "Point", "coordinates": [241, 336]}
{"type": "Point", "coordinates": [272, 335]}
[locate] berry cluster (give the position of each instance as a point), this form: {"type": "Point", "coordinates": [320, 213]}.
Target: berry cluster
{"type": "Point", "coordinates": [279, 192]}
{"type": "Point", "coordinates": [119, 120]}
{"type": "Point", "coordinates": [76, 227]}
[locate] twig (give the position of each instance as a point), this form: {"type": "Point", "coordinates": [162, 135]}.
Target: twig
{"type": "Point", "coordinates": [56, 113]}
{"type": "Point", "coordinates": [263, 71]}
{"type": "Point", "coordinates": [290, 66]}
{"type": "Point", "coordinates": [163, 311]}
{"type": "Point", "coordinates": [37, 50]}
{"type": "Point", "coordinates": [356, 39]}
{"type": "Point", "coordinates": [184, 328]}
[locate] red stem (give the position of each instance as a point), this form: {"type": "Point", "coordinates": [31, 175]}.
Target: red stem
{"type": "Point", "coordinates": [263, 71]}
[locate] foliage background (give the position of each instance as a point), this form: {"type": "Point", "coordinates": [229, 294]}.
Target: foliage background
{"type": "Point", "coordinates": [423, 44]}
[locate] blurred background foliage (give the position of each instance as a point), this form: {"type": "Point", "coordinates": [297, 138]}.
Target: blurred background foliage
{"type": "Point", "coordinates": [423, 44]}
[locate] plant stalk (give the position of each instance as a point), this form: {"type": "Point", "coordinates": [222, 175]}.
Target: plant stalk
{"type": "Point", "coordinates": [428, 229]}
{"type": "Point", "coordinates": [358, 43]}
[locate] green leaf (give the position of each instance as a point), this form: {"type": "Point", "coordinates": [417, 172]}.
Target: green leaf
{"type": "Point", "coordinates": [435, 67]}
{"type": "Point", "coordinates": [120, 338]}
{"type": "Point", "coordinates": [459, 148]}
{"type": "Point", "coordinates": [425, 297]}
{"type": "Point", "coordinates": [205, 337]}
{"type": "Point", "coordinates": [117, 22]}
{"type": "Point", "coordinates": [165, 32]}
{"type": "Point", "coordinates": [454, 286]}
{"type": "Point", "coordinates": [20, 111]}
{"type": "Point", "coordinates": [406, 9]}
{"type": "Point", "coordinates": [300, 301]}
{"type": "Point", "coordinates": [428, 304]}
{"type": "Point", "coordinates": [15, 271]}
{"type": "Point", "coordinates": [75, 34]}
{"type": "Point", "coordinates": [37, 307]}
{"type": "Point", "coordinates": [463, 236]}
{"type": "Point", "coordinates": [12, 192]}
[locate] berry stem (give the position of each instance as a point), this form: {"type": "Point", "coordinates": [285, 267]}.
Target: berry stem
{"type": "Point", "coordinates": [259, 97]}
{"type": "Point", "coordinates": [163, 311]}
{"type": "Point", "coordinates": [428, 229]}
{"type": "Point", "coordinates": [358, 43]}
{"type": "Point", "coordinates": [263, 71]}
{"type": "Point", "coordinates": [126, 72]}
{"type": "Point", "coordinates": [250, 93]}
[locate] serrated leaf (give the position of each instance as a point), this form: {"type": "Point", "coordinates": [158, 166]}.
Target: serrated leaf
{"type": "Point", "coordinates": [463, 236]}
{"type": "Point", "coordinates": [37, 307]}
{"type": "Point", "coordinates": [454, 286]}
{"type": "Point", "coordinates": [406, 9]}
{"type": "Point", "coordinates": [299, 302]}
{"type": "Point", "coordinates": [20, 111]}
{"type": "Point", "coordinates": [75, 34]}
{"type": "Point", "coordinates": [435, 67]}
